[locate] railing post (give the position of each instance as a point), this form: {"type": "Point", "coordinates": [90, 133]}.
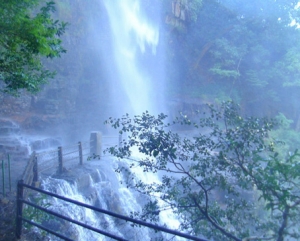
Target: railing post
{"type": "Point", "coordinates": [35, 168]}
{"type": "Point", "coordinates": [60, 160]}
{"type": "Point", "coordinates": [96, 143]}
{"type": "Point", "coordinates": [9, 172]}
{"type": "Point", "coordinates": [3, 178]}
{"type": "Point", "coordinates": [19, 209]}
{"type": "Point", "coordinates": [80, 153]}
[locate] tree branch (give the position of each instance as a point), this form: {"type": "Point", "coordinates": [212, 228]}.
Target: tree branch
{"type": "Point", "coordinates": [222, 230]}
{"type": "Point", "coordinates": [284, 223]}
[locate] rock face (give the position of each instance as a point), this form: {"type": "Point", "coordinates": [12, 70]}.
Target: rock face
{"type": "Point", "coordinates": [7, 128]}
{"type": "Point", "coordinates": [179, 8]}
{"type": "Point", "coordinates": [19, 145]}
{"type": "Point", "coordinates": [11, 105]}
{"type": "Point", "coordinates": [44, 143]}
{"type": "Point", "coordinates": [179, 14]}
{"type": "Point", "coordinates": [11, 142]}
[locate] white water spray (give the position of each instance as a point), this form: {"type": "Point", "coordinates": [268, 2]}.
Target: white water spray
{"type": "Point", "coordinates": [103, 191]}
{"type": "Point", "coordinates": [133, 35]}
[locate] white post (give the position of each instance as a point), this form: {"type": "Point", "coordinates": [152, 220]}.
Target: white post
{"type": "Point", "coordinates": [96, 143]}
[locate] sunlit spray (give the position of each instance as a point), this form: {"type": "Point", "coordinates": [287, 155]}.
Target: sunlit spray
{"type": "Point", "coordinates": [133, 35]}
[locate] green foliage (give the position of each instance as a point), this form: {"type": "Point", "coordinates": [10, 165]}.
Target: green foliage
{"type": "Point", "coordinates": [289, 68]}
{"type": "Point", "coordinates": [193, 8]}
{"type": "Point", "coordinates": [253, 79]}
{"type": "Point", "coordinates": [227, 58]}
{"type": "Point", "coordinates": [35, 214]}
{"type": "Point", "coordinates": [223, 73]}
{"type": "Point", "coordinates": [285, 122]}
{"type": "Point", "coordinates": [249, 45]}
{"type": "Point", "coordinates": [287, 134]}
{"type": "Point", "coordinates": [226, 181]}
{"type": "Point", "coordinates": [26, 36]}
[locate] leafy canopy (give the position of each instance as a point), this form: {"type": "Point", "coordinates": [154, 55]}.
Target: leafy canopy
{"type": "Point", "coordinates": [26, 36]}
{"type": "Point", "coordinates": [225, 180]}
{"type": "Point", "coordinates": [242, 50]}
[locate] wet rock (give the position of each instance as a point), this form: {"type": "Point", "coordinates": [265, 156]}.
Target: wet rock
{"type": "Point", "coordinates": [14, 105]}
{"type": "Point", "coordinates": [47, 106]}
{"type": "Point", "coordinates": [10, 141]}
{"type": "Point", "coordinates": [8, 127]}
{"type": "Point", "coordinates": [45, 143]}
{"type": "Point", "coordinates": [40, 123]}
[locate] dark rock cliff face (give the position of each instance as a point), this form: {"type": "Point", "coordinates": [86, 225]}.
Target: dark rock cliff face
{"type": "Point", "coordinates": [10, 141]}
{"type": "Point", "coordinates": [31, 114]}
{"type": "Point", "coordinates": [18, 144]}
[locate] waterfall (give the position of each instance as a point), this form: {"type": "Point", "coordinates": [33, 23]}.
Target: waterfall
{"type": "Point", "coordinates": [139, 62]}
{"type": "Point", "coordinates": [136, 67]}
{"type": "Point", "coordinates": [64, 188]}
{"type": "Point", "coordinates": [136, 74]}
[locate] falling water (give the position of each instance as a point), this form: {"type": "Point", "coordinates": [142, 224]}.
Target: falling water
{"type": "Point", "coordinates": [134, 38]}
{"type": "Point", "coordinates": [134, 34]}
{"type": "Point", "coordinates": [139, 63]}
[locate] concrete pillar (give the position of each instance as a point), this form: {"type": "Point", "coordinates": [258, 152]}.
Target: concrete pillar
{"type": "Point", "coordinates": [96, 143]}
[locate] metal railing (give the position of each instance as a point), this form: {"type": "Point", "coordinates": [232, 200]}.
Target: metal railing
{"type": "Point", "coordinates": [20, 218]}
{"type": "Point", "coordinates": [6, 175]}
{"type": "Point", "coordinates": [58, 157]}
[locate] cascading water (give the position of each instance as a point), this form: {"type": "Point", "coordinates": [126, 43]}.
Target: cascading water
{"type": "Point", "coordinates": [101, 188]}
{"type": "Point", "coordinates": [136, 66]}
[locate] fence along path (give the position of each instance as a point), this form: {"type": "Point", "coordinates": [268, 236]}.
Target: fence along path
{"type": "Point", "coordinates": [5, 175]}
{"type": "Point", "coordinates": [60, 157]}
{"type": "Point", "coordinates": [20, 218]}
{"type": "Point", "coordinates": [56, 159]}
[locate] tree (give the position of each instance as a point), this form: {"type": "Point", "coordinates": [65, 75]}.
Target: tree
{"type": "Point", "coordinates": [26, 36]}
{"type": "Point", "coordinates": [241, 50]}
{"type": "Point", "coordinates": [226, 181]}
